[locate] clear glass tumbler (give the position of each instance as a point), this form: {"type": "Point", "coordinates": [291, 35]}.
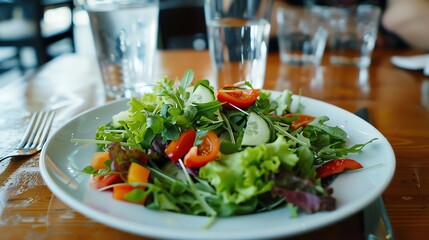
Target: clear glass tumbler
{"type": "Point", "coordinates": [125, 37]}
{"type": "Point", "coordinates": [301, 36]}
{"type": "Point", "coordinates": [352, 33]}
{"type": "Point", "coordinates": [238, 34]}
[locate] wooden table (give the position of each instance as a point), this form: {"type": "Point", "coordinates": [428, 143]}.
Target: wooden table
{"type": "Point", "coordinates": [398, 101]}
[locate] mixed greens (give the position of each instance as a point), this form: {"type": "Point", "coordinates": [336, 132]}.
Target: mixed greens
{"type": "Point", "coordinates": [264, 154]}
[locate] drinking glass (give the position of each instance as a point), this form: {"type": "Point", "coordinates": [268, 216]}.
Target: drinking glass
{"type": "Point", "coordinates": [301, 36]}
{"type": "Point", "coordinates": [125, 37]}
{"type": "Point", "coordinates": [238, 34]}
{"type": "Point", "coordinates": [352, 33]}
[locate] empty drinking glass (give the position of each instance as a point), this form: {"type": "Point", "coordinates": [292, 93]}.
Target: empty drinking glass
{"type": "Point", "coordinates": [301, 37]}
{"type": "Point", "coordinates": [352, 33]}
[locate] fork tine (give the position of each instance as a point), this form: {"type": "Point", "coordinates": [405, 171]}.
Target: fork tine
{"type": "Point", "coordinates": [45, 130]}
{"type": "Point", "coordinates": [36, 128]}
{"type": "Point", "coordinates": [35, 135]}
{"type": "Point", "coordinates": [36, 141]}
{"type": "Point", "coordinates": [28, 131]}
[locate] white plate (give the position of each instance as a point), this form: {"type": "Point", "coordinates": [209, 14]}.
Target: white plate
{"type": "Point", "coordinates": [61, 161]}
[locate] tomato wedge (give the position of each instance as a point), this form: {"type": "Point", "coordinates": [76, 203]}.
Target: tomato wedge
{"type": "Point", "coordinates": [337, 166]}
{"type": "Point", "coordinates": [207, 151]}
{"type": "Point", "coordinates": [241, 98]}
{"type": "Point", "coordinates": [178, 148]}
{"type": "Point", "coordinates": [302, 121]}
{"type": "Point", "coordinates": [101, 181]}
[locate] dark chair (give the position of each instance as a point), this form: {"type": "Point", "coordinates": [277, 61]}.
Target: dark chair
{"type": "Point", "coordinates": [182, 25]}
{"type": "Point", "coordinates": [8, 59]}
{"type": "Point", "coordinates": [22, 25]}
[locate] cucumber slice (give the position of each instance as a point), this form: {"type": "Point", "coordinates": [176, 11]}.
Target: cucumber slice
{"type": "Point", "coordinates": [121, 116]}
{"type": "Point", "coordinates": [201, 95]}
{"type": "Point", "coordinates": [256, 132]}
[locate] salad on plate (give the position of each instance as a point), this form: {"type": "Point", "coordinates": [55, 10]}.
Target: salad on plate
{"type": "Point", "coordinates": [219, 153]}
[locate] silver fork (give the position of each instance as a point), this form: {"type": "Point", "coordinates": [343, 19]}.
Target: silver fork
{"type": "Point", "coordinates": [35, 135]}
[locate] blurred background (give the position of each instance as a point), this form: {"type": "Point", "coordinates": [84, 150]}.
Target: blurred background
{"type": "Point", "coordinates": [32, 32]}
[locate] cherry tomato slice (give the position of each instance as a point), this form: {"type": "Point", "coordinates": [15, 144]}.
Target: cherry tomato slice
{"type": "Point", "coordinates": [101, 181]}
{"type": "Point", "coordinates": [207, 151]}
{"type": "Point", "coordinates": [178, 148]}
{"type": "Point", "coordinates": [302, 121]}
{"type": "Point", "coordinates": [237, 97]}
{"type": "Point", "coordinates": [337, 166]}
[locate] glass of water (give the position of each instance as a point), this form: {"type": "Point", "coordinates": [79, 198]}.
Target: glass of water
{"type": "Point", "coordinates": [238, 34]}
{"type": "Point", "coordinates": [352, 33]}
{"type": "Point", "coordinates": [125, 37]}
{"type": "Point", "coordinates": [301, 36]}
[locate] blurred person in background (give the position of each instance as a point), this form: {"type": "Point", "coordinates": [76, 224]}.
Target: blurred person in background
{"type": "Point", "coordinates": [409, 20]}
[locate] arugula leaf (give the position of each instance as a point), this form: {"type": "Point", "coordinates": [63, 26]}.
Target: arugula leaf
{"type": "Point", "coordinates": [205, 83]}
{"type": "Point", "coordinates": [187, 79]}
{"type": "Point", "coordinates": [107, 133]}
{"type": "Point", "coordinates": [207, 109]}
{"type": "Point", "coordinates": [264, 104]}
{"type": "Point", "coordinates": [319, 125]}
{"type": "Point", "coordinates": [170, 133]}
{"type": "Point", "coordinates": [137, 195]}
{"type": "Point", "coordinates": [329, 142]}
{"type": "Point", "coordinates": [89, 169]}
{"type": "Point", "coordinates": [337, 150]}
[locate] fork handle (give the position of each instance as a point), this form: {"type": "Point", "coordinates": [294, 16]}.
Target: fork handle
{"type": "Point", "coordinates": [7, 155]}
{"type": "Point", "coordinates": [21, 153]}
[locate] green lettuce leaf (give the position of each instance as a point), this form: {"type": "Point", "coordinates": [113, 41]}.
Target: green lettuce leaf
{"type": "Point", "coordinates": [241, 176]}
{"type": "Point", "coordinates": [284, 102]}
